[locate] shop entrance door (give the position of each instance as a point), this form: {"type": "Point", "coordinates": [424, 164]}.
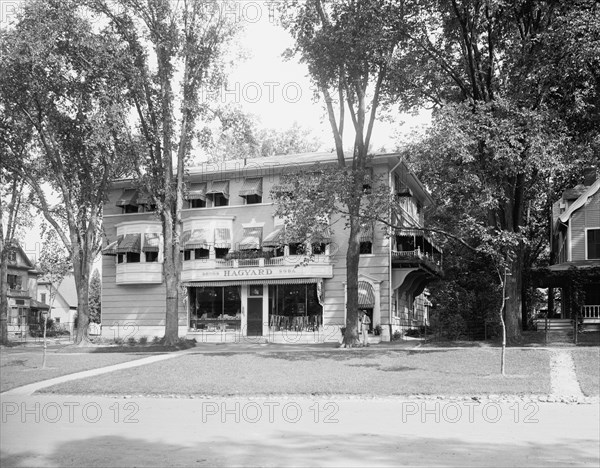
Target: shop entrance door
{"type": "Point", "coordinates": [255, 311]}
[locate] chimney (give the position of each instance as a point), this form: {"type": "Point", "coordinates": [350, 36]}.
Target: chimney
{"type": "Point", "coordinates": [589, 176]}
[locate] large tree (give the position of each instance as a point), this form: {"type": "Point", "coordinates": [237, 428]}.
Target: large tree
{"type": "Point", "coordinates": [173, 49]}
{"type": "Point", "coordinates": [62, 84]}
{"type": "Point", "coordinates": [347, 46]}
{"type": "Point", "coordinates": [510, 81]}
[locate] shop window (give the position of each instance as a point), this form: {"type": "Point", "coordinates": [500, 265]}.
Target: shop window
{"type": "Point", "coordinates": [366, 247]}
{"type": "Point", "coordinates": [593, 244]}
{"type": "Point", "coordinates": [187, 255]}
{"type": "Point", "coordinates": [221, 253]}
{"type": "Point", "coordinates": [297, 249]}
{"type": "Point", "coordinates": [294, 307]}
{"type": "Point", "coordinates": [151, 257]}
{"type": "Point", "coordinates": [216, 308]}
{"type": "Point", "coordinates": [198, 203]}
{"type": "Point", "coordinates": [253, 199]}
{"type": "Point", "coordinates": [132, 257]}
{"type": "Point", "coordinates": [220, 200]}
{"type": "Point", "coordinates": [201, 254]}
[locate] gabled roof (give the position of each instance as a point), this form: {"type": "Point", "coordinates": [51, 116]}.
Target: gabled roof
{"type": "Point", "coordinates": [581, 201]}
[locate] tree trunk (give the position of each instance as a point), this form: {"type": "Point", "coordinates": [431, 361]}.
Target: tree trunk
{"type": "Point", "coordinates": [513, 301]}
{"type": "Point", "coordinates": [82, 283]}
{"type": "Point", "coordinates": [3, 294]}
{"type": "Point", "coordinates": [352, 262]}
{"type": "Point", "coordinates": [171, 270]}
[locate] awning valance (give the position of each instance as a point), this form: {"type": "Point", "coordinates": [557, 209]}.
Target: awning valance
{"type": "Point", "coordinates": [219, 186]}
{"type": "Point", "coordinates": [128, 197]}
{"type": "Point", "coordinates": [222, 238]}
{"type": "Point", "coordinates": [252, 186]}
{"type": "Point", "coordinates": [196, 191]}
{"type": "Point", "coordinates": [207, 284]}
{"type": "Point", "coordinates": [111, 249]}
{"type": "Point", "coordinates": [143, 198]}
{"type": "Point", "coordinates": [198, 239]}
{"type": "Point", "coordinates": [130, 243]}
{"type": "Point", "coordinates": [151, 242]}
{"type": "Point", "coordinates": [366, 295]}
{"type": "Point", "coordinates": [252, 238]}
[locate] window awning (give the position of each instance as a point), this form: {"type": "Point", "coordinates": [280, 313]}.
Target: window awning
{"type": "Point", "coordinates": [208, 284]}
{"type": "Point", "coordinates": [275, 239]}
{"type": "Point", "coordinates": [252, 186]}
{"type": "Point", "coordinates": [198, 239]}
{"type": "Point", "coordinates": [219, 186]}
{"type": "Point", "coordinates": [128, 197]}
{"type": "Point", "coordinates": [222, 238]}
{"type": "Point", "coordinates": [130, 243]}
{"type": "Point", "coordinates": [151, 242]}
{"type": "Point", "coordinates": [322, 237]}
{"type": "Point", "coordinates": [111, 249]}
{"type": "Point", "coordinates": [196, 192]}
{"type": "Point", "coordinates": [252, 238]}
{"type": "Point", "coordinates": [366, 232]}
{"type": "Point", "coordinates": [366, 295]}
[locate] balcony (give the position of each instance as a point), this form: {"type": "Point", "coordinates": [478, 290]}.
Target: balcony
{"type": "Point", "coordinates": [291, 266]}
{"type": "Point", "coordinates": [18, 293]}
{"type": "Point", "coordinates": [417, 259]}
{"type": "Point", "coordinates": [139, 273]}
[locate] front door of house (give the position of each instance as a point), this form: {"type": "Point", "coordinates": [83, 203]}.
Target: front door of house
{"type": "Point", "coordinates": [255, 310]}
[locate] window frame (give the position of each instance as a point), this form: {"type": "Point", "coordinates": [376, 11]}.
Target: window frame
{"type": "Point", "coordinates": [587, 243]}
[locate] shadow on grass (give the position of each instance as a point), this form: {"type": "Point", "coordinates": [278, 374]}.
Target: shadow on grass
{"type": "Point", "coordinates": [302, 448]}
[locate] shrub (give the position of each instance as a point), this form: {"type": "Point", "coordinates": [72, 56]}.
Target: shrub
{"type": "Point", "coordinates": [397, 335]}
{"type": "Point", "coordinates": [143, 340]}
{"type": "Point", "coordinates": [156, 340]}
{"type": "Point", "coordinates": [131, 341]}
{"type": "Point", "coordinates": [119, 341]}
{"type": "Point", "coordinates": [377, 330]}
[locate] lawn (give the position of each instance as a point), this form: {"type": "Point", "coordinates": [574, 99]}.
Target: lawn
{"type": "Point", "coordinates": [587, 367]}
{"type": "Point", "coordinates": [22, 366]}
{"type": "Point", "coordinates": [357, 372]}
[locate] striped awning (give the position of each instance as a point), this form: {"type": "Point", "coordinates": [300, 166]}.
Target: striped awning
{"type": "Point", "coordinates": [275, 238]}
{"type": "Point", "coordinates": [130, 243]}
{"type": "Point", "coordinates": [252, 238]}
{"type": "Point", "coordinates": [128, 197]}
{"type": "Point", "coordinates": [322, 236]}
{"type": "Point", "coordinates": [409, 232]}
{"type": "Point", "coordinates": [207, 284]}
{"type": "Point", "coordinates": [198, 239]}
{"type": "Point", "coordinates": [151, 241]}
{"type": "Point", "coordinates": [196, 192]}
{"type": "Point", "coordinates": [366, 295]}
{"type": "Point", "coordinates": [222, 238]}
{"type": "Point", "coordinates": [366, 232]}
{"type": "Point", "coordinates": [219, 186]}
{"type": "Point", "coordinates": [252, 186]}
{"type": "Point", "coordinates": [111, 249]}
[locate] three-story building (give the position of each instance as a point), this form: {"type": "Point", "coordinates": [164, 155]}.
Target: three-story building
{"type": "Point", "coordinates": [239, 280]}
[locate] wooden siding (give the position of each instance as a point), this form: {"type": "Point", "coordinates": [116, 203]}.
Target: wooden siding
{"type": "Point", "coordinates": [588, 216]}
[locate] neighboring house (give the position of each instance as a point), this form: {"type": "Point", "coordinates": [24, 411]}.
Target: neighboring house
{"type": "Point", "coordinates": [64, 307]}
{"type": "Point", "coordinates": [276, 294]}
{"type": "Point", "coordinates": [575, 253]}
{"type": "Point", "coordinates": [24, 311]}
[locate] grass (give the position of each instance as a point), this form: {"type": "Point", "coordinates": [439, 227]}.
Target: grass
{"type": "Point", "coordinates": [358, 372]}
{"type": "Point", "coordinates": [22, 366]}
{"type": "Point", "coordinates": [587, 368]}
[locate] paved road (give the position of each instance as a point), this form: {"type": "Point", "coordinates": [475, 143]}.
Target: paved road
{"type": "Point", "coordinates": [97, 432]}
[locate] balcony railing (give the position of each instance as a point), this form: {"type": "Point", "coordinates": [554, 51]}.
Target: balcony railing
{"type": "Point", "coordinates": [18, 293]}
{"type": "Point", "coordinates": [590, 311]}
{"type": "Point", "coordinates": [407, 256]}
{"type": "Point", "coordinates": [217, 263]}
